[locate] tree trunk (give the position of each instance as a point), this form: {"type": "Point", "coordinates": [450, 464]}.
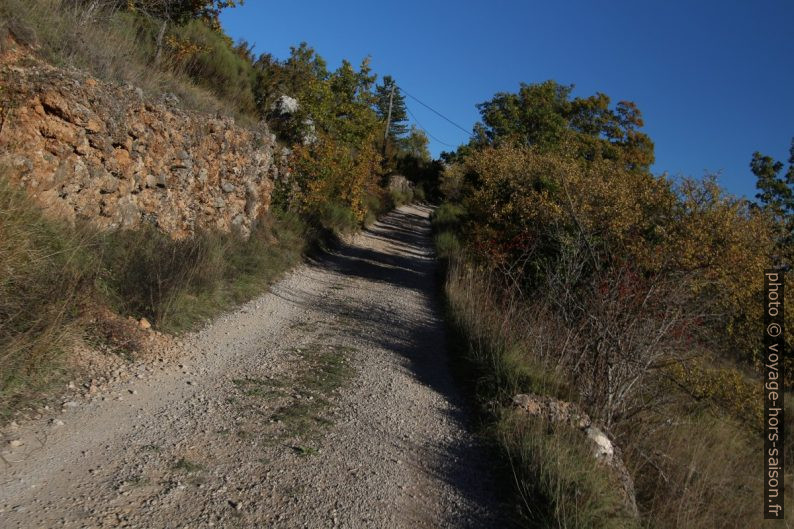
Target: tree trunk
{"type": "Point", "coordinates": [159, 48]}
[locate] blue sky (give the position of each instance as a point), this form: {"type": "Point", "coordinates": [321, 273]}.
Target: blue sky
{"type": "Point", "coordinates": [714, 79]}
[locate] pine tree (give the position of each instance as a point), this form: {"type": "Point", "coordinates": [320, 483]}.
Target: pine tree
{"type": "Point", "coordinates": [776, 196]}
{"type": "Point", "coordinates": [399, 116]}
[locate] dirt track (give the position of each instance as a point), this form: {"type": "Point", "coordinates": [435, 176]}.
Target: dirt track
{"type": "Point", "coordinates": [327, 402]}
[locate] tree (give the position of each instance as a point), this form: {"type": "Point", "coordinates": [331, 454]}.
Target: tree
{"type": "Point", "coordinates": [176, 12]}
{"type": "Point", "coordinates": [544, 115]}
{"type": "Point", "coordinates": [180, 11]}
{"type": "Point", "coordinates": [776, 195]}
{"type": "Point", "coordinates": [350, 116]}
{"type": "Point", "coordinates": [415, 145]}
{"type": "Point", "coordinates": [399, 115]}
{"type": "Point", "coordinates": [537, 115]}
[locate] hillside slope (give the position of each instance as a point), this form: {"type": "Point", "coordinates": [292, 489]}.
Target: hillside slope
{"type": "Point", "coordinates": [91, 150]}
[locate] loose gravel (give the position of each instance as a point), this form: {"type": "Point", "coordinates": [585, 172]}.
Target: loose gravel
{"type": "Point", "coordinates": [327, 402]}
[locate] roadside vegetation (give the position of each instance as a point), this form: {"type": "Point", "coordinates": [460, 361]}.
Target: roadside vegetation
{"type": "Point", "coordinates": [57, 277]}
{"type": "Point", "coordinates": [573, 272]}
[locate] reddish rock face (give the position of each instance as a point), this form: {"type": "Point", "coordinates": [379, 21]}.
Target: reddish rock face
{"type": "Point", "coordinates": [86, 149]}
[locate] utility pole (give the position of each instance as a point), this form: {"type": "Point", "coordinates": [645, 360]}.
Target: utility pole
{"type": "Point", "coordinates": [386, 132]}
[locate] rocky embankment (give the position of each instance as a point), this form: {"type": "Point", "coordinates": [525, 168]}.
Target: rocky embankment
{"type": "Point", "coordinates": [102, 152]}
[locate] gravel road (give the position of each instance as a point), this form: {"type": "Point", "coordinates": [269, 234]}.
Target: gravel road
{"type": "Point", "coordinates": [327, 402]}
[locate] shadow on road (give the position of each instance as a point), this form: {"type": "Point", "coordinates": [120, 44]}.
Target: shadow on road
{"type": "Point", "coordinates": [397, 250]}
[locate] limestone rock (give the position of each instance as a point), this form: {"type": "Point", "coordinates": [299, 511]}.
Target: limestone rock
{"type": "Point", "coordinates": [90, 150]}
{"type": "Point", "coordinates": [604, 450]}
{"type": "Point", "coordinates": [284, 106]}
{"type": "Point", "coordinates": [400, 183]}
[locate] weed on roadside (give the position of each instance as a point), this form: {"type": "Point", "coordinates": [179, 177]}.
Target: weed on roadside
{"type": "Point", "coordinates": [188, 466]}
{"type": "Point", "coordinates": [305, 451]}
{"type": "Point", "coordinates": [254, 387]}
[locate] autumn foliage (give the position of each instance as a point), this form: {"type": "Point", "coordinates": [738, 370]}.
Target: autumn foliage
{"type": "Point", "coordinates": [530, 209]}
{"type": "Point", "coordinates": [637, 295]}
{"type": "Point", "coordinates": [328, 174]}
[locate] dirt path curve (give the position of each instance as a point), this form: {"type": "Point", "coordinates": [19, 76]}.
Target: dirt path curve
{"type": "Point", "coordinates": [327, 402]}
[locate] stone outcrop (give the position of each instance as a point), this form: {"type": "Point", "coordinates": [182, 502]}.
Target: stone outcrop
{"type": "Point", "coordinates": [400, 184]}
{"type": "Point", "coordinates": [284, 112]}
{"type": "Point", "coordinates": [603, 450]}
{"type": "Point", "coordinates": [284, 106]}
{"type": "Point", "coordinates": [86, 149]}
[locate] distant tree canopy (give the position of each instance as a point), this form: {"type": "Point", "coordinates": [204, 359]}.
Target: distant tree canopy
{"type": "Point", "coordinates": [347, 112]}
{"type": "Point", "coordinates": [292, 76]}
{"type": "Point", "coordinates": [415, 144]}
{"type": "Point", "coordinates": [338, 103]}
{"type": "Point", "coordinates": [399, 116]}
{"type": "Point", "coordinates": [545, 116]}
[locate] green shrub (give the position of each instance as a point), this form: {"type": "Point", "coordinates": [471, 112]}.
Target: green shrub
{"type": "Point", "coordinates": [145, 270]}
{"type": "Point", "coordinates": [337, 218]}
{"type": "Point", "coordinates": [447, 245]}
{"type": "Point", "coordinates": [400, 197]}
{"type": "Point", "coordinates": [446, 221]}
{"type": "Point", "coordinates": [333, 182]}
{"type": "Point", "coordinates": [176, 283]}
{"type": "Point", "coordinates": [448, 217]}
{"type": "Point", "coordinates": [240, 270]}
{"type": "Point", "coordinates": [419, 193]}
{"type": "Point", "coordinates": [375, 206]}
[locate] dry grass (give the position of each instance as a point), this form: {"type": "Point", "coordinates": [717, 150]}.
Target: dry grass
{"type": "Point", "coordinates": [116, 46]}
{"type": "Point", "coordinates": [178, 283]}
{"type": "Point", "coordinates": [54, 273]}
{"type": "Point", "coordinates": [695, 471]}
{"type": "Point", "coordinates": [557, 483]}
{"type": "Point", "coordinates": [695, 463]}
{"type": "Point", "coordinates": [42, 286]}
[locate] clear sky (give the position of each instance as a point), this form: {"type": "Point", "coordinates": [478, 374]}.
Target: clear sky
{"type": "Point", "coordinates": [714, 79]}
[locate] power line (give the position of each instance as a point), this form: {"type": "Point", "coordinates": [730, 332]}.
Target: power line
{"type": "Point", "coordinates": [425, 130]}
{"type": "Point", "coordinates": [436, 112]}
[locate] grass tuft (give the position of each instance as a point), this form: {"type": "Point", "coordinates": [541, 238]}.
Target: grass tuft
{"type": "Point", "coordinates": [45, 269]}
{"type": "Point", "coordinates": [188, 466]}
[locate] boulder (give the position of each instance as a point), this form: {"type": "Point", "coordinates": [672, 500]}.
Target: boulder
{"type": "Point", "coordinates": [604, 450]}
{"type": "Point", "coordinates": [284, 106]}
{"type": "Point", "coordinates": [400, 183]}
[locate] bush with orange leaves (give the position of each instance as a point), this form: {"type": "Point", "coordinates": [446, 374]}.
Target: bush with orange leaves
{"type": "Point", "coordinates": [530, 209]}
{"type": "Point", "coordinates": [638, 297]}
{"type": "Point", "coordinates": [333, 183]}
